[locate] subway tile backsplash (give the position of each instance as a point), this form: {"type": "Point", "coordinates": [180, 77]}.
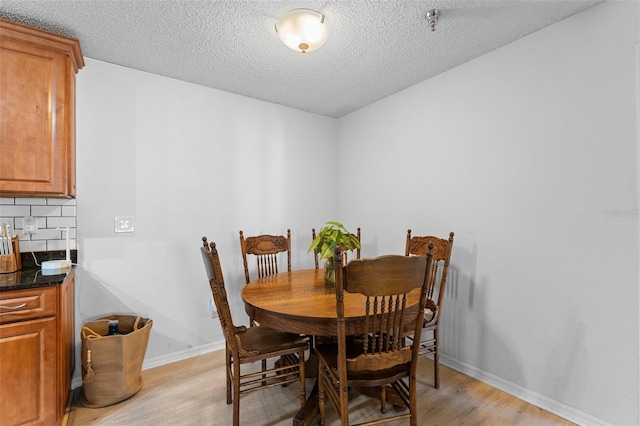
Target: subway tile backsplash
{"type": "Point", "coordinates": [50, 214]}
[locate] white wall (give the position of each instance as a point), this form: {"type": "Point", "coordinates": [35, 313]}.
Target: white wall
{"type": "Point", "coordinates": [186, 161]}
{"type": "Point", "coordinates": [529, 154]}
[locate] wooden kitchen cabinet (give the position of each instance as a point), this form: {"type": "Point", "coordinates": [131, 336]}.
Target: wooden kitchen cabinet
{"type": "Point", "coordinates": [37, 111]}
{"type": "Point", "coordinates": [37, 349]}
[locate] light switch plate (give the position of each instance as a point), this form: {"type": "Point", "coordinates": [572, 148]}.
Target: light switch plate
{"type": "Point", "coordinates": [124, 224]}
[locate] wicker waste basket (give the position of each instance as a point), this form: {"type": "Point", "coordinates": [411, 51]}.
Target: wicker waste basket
{"type": "Point", "coordinates": [112, 364]}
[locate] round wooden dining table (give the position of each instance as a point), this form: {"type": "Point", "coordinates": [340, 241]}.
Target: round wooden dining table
{"type": "Point", "coordinates": [301, 302]}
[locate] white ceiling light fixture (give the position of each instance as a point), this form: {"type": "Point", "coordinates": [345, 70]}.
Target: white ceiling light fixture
{"type": "Point", "coordinates": [302, 30]}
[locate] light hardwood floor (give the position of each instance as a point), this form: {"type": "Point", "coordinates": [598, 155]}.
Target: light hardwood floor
{"type": "Point", "coordinates": [192, 392]}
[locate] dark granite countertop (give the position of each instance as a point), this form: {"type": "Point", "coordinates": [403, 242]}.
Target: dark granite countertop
{"type": "Point", "coordinates": [31, 276]}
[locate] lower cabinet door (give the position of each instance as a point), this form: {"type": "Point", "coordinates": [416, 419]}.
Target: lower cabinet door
{"type": "Point", "coordinates": [28, 372]}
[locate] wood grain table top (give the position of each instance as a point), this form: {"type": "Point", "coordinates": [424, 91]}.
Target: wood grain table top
{"type": "Point", "coordinates": [300, 302]}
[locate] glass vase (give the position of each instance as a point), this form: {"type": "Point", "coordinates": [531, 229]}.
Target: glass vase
{"type": "Point", "coordinates": [329, 272]}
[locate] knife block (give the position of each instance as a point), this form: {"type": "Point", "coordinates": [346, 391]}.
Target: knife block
{"type": "Point", "coordinates": [11, 262]}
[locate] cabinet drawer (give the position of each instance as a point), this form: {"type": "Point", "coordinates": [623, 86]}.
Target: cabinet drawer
{"type": "Point", "coordinates": [31, 303]}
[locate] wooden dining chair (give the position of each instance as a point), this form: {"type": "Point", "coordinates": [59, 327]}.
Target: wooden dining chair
{"type": "Point", "coordinates": [266, 249]}
{"type": "Point", "coordinates": [315, 255]}
{"type": "Point", "coordinates": [418, 245]}
{"type": "Point", "coordinates": [380, 359]}
{"type": "Point", "coordinates": [248, 345]}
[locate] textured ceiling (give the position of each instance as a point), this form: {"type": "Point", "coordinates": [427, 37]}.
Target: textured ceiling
{"type": "Point", "coordinates": [374, 49]}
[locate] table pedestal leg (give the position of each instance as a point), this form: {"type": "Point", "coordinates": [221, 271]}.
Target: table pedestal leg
{"type": "Point", "coordinates": [307, 414]}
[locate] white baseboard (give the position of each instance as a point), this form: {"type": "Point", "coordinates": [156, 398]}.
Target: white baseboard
{"type": "Point", "coordinates": [541, 401]}
{"type": "Point", "coordinates": [180, 355]}
{"type": "Point", "coordinates": [164, 359]}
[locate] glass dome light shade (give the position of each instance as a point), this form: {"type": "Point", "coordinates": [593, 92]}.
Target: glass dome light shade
{"type": "Point", "coordinates": [302, 30]}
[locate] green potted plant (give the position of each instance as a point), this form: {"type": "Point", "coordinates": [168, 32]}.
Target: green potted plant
{"type": "Point", "coordinates": [331, 236]}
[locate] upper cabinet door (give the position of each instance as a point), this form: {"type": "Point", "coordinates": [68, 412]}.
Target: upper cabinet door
{"type": "Point", "coordinates": [37, 112]}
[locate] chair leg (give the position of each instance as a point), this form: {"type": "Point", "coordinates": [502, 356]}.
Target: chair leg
{"type": "Point", "coordinates": [236, 393]}
{"type": "Point", "coordinates": [436, 360]}
{"type": "Point", "coordinates": [344, 404]}
{"type": "Point", "coordinates": [228, 373]}
{"type": "Point", "coordinates": [383, 399]}
{"type": "Point", "coordinates": [413, 402]}
{"type": "Point", "coordinates": [321, 394]}
{"type": "Point", "coordinates": [252, 323]}
{"type": "Point", "coordinates": [264, 368]}
{"type": "Point", "coordinates": [301, 372]}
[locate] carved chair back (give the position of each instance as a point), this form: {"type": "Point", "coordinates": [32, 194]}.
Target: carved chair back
{"type": "Point", "coordinates": [216, 282]}
{"type": "Point", "coordinates": [418, 245]}
{"type": "Point", "coordinates": [266, 249]}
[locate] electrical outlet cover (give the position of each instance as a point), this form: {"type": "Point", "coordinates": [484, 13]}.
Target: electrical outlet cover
{"type": "Point", "coordinates": [124, 224]}
{"type": "Point", "coordinates": [30, 226]}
